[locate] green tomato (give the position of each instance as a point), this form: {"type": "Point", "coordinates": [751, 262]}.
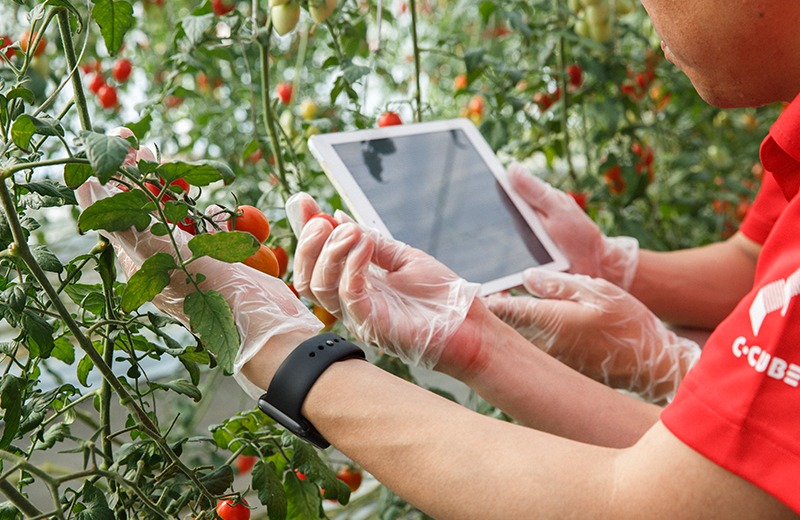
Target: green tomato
{"type": "Point", "coordinates": [597, 14]}
{"type": "Point", "coordinates": [582, 28]}
{"type": "Point", "coordinates": [285, 17]}
{"type": "Point", "coordinates": [600, 32]}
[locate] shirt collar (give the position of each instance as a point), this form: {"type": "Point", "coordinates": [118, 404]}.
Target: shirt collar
{"type": "Point", "coordinates": [780, 151]}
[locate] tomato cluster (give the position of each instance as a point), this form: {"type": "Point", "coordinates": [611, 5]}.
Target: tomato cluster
{"type": "Point", "coordinates": [107, 93]}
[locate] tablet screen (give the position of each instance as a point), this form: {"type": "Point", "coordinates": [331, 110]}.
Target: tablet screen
{"type": "Point", "coordinates": [434, 192]}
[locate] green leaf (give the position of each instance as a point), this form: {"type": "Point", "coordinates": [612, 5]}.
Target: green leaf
{"type": "Point", "coordinates": [193, 369]}
{"type": "Point", "coordinates": [76, 174]}
{"type": "Point", "coordinates": [48, 188]}
{"type": "Point", "coordinates": [211, 318]}
{"type": "Point", "coordinates": [225, 246]}
{"type": "Point", "coordinates": [9, 512]}
{"type": "Point", "coordinates": [56, 433]}
{"type": "Point", "coordinates": [46, 259]}
{"type": "Point", "coordinates": [117, 213]}
{"type": "Point", "coordinates": [183, 387]}
{"type": "Point", "coordinates": [89, 297]}
{"type": "Point", "coordinates": [303, 499]}
{"type": "Point", "coordinates": [115, 18]}
{"type": "Point", "coordinates": [148, 281]}
{"type": "Point", "coordinates": [105, 153]}
{"type": "Point", "coordinates": [194, 174]}
{"type": "Point", "coordinates": [23, 93]}
{"type": "Point", "coordinates": [219, 480]}
{"type": "Point", "coordinates": [267, 483]}
{"type": "Point", "coordinates": [85, 366]}
{"type": "Point", "coordinates": [40, 332]}
{"type": "Point", "coordinates": [306, 459]}
{"type": "Point", "coordinates": [223, 169]}
{"type": "Point", "coordinates": [175, 211]}
{"type": "Point", "coordinates": [63, 350]}
{"type": "Point", "coordinates": [11, 390]}
{"type": "Point", "coordinates": [141, 128]}
{"type": "Point", "coordinates": [196, 27]}
{"type": "Point", "coordinates": [25, 127]}
{"type": "Point", "coordinates": [353, 72]}
{"type": "Point", "coordinates": [473, 58]}
{"type": "Point", "coordinates": [96, 505]}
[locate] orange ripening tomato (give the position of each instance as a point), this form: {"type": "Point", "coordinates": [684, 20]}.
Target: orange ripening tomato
{"type": "Point", "coordinates": [350, 476]}
{"type": "Point", "coordinates": [283, 260]}
{"type": "Point", "coordinates": [23, 43]}
{"type": "Point", "coordinates": [460, 81]}
{"type": "Point", "coordinates": [264, 260]}
{"type": "Point", "coordinates": [251, 220]}
{"type": "Point", "coordinates": [324, 316]}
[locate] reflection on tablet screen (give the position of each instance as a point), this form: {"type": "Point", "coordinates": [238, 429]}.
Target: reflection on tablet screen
{"type": "Point", "coordinates": [435, 192]}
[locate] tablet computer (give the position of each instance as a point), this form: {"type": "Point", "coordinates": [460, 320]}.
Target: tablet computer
{"type": "Point", "coordinates": [439, 187]}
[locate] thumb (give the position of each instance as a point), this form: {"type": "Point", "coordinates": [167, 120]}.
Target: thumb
{"type": "Point", "coordinates": [555, 285]}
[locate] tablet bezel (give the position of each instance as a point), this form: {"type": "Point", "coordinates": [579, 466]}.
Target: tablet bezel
{"type": "Point", "coordinates": [322, 148]}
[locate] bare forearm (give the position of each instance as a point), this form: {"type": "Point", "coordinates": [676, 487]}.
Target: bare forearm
{"type": "Point", "coordinates": [543, 393]}
{"type": "Point", "coordinates": [696, 287]}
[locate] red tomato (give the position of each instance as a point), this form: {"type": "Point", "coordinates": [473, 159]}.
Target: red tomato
{"type": "Point", "coordinates": [325, 216]}
{"type": "Point", "coordinates": [24, 40]}
{"type": "Point", "coordinates": [613, 177]}
{"type": "Point", "coordinates": [283, 260]}
{"type": "Point", "coordinates": [301, 476]}
{"type": "Point", "coordinates": [460, 81]}
{"type": "Point", "coordinates": [227, 510]}
{"type": "Point", "coordinates": [543, 100]}
{"type": "Point", "coordinates": [222, 7]}
{"type": "Point", "coordinates": [294, 291]}
{"type": "Point", "coordinates": [636, 148]}
{"type": "Point", "coordinates": [580, 198]}
{"type": "Point", "coordinates": [107, 96]}
{"type": "Point", "coordinates": [244, 463]}
{"type": "Point", "coordinates": [98, 82]}
{"type": "Point", "coordinates": [575, 75]}
{"type": "Point", "coordinates": [182, 184]}
{"type": "Point", "coordinates": [122, 70]}
{"type": "Point", "coordinates": [389, 119]}
{"type": "Point", "coordinates": [284, 92]}
{"type": "Point", "coordinates": [6, 42]}
{"type": "Point", "coordinates": [350, 476]}
{"type": "Point", "coordinates": [251, 220]}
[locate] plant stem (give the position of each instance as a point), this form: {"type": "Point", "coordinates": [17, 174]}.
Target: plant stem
{"type": "Point", "coordinates": [16, 498]}
{"type": "Point", "coordinates": [269, 121]}
{"type": "Point", "coordinates": [5, 173]}
{"type": "Point", "coordinates": [72, 63]}
{"type": "Point", "coordinates": [562, 80]}
{"type": "Point", "coordinates": [412, 5]}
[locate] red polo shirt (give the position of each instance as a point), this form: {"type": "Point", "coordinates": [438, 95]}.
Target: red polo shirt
{"type": "Point", "coordinates": [740, 405]}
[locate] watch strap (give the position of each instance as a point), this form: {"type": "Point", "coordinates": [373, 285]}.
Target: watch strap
{"type": "Point", "coordinates": [297, 374]}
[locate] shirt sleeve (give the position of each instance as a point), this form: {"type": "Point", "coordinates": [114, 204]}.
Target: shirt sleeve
{"type": "Point", "coordinates": [765, 210]}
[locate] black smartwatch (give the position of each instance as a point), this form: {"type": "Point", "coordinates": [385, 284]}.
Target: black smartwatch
{"type": "Point", "coordinates": [295, 377]}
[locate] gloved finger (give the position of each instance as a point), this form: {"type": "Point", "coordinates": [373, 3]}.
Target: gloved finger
{"type": "Point", "coordinates": [342, 218]}
{"type": "Point", "coordinates": [542, 197]}
{"type": "Point", "coordinates": [554, 285]}
{"type": "Point", "coordinates": [353, 287]}
{"type": "Point", "coordinates": [299, 209]}
{"type": "Point", "coordinates": [327, 273]}
{"type": "Point", "coordinates": [511, 310]}
{"type": "Point", "coordinates": [312, 240]}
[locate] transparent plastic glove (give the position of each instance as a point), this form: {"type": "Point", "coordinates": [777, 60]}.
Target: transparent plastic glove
{"type": "Point", "coordinates": [264, 308]}
{"type": "Point", "coordinates": [589, 251]}
{"type": "Point", "coordinates": [389, 295]}
{"type": "Point", "coordinates": [601, 331]}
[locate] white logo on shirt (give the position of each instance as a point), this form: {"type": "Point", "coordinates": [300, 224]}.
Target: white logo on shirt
{"type": "Point", "coordinates": [763, 361]}
{"type": "Point", "coordinates": [773, 296]}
